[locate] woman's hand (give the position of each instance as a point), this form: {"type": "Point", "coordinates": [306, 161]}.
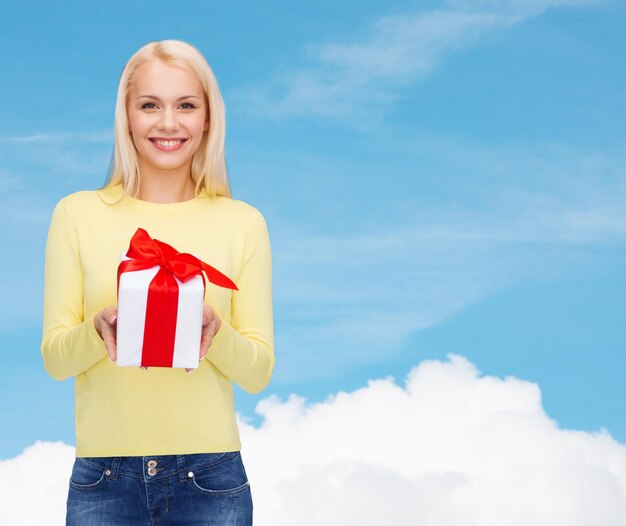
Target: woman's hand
{"type": "Point", "coordinates": [105, 323]}
{"type": "Point", "coordinates": [106, 326]}
{"type": "Point", "coordinates": [211, 323]}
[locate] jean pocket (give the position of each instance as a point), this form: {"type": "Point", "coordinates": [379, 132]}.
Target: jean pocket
{"type": "Point", "coordinates": [87, 475]}
{"type": "Point", "coordinates": [224, 478]}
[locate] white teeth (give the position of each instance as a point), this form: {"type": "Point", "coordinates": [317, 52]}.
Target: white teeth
{"type": "Point", "coordinates": [167, 143]}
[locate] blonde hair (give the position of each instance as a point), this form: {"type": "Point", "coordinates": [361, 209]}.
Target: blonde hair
{"type": "Point", "coordinates": [208, 166]}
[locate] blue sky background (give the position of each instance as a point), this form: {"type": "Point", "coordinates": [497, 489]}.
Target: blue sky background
{"type": "Point", "coordinates": [437, 177]}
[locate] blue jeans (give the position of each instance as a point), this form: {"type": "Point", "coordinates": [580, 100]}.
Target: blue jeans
{"type": "Point", "coordinates": [164, 490]}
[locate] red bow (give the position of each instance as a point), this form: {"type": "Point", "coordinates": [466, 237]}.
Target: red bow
{"type": "Point", "coordinates": [147, 253]}
{"type": "Point", "coordinates": [162, 306]}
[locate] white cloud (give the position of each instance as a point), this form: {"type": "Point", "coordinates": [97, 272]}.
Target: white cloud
{"type": "Point", "coordinates": [34, 485]}
{"type": "Point", "coordinates": [351, 81]}
{"type": "Point", "coordinates": [450, 447]}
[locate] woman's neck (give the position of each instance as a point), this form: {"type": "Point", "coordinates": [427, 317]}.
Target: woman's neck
{"type": "Point", "coordinates": [166, 188]}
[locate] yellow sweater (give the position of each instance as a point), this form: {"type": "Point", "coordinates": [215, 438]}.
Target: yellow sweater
{"type": "Point", "coordinates": [160, 411]}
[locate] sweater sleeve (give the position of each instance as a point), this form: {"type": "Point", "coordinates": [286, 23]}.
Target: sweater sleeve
{"type": "Point", "coordinates": [70, 344]}
{"type": "Point", "coordinates": [244, 349]}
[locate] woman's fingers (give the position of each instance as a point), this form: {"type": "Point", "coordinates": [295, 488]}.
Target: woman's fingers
{"type": "Point", "coordinates": [106, 325]}
{"type": "Point", "coordinates": [211, 323]}
{"type": "Point", "coordinates": [208, 331]}
{"type": "Point", "coordinates": [110, 340]}
{"type": "Point", "coordinates": [208, 315]}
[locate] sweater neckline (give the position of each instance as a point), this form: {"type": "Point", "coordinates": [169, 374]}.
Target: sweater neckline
{"type": "Point", "coordinates": [119, 196]}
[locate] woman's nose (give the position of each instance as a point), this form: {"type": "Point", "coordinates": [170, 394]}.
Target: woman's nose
{"type": "Point", "coordinates": [168, 120]}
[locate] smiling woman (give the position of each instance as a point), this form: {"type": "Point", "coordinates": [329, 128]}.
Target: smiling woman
{"type": "Point", "coordinates": [154, 443]}
{"type": "Point", "coordinates": [172, 98]}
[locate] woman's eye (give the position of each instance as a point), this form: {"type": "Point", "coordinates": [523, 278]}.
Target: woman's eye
{"type": "Point", "coordinates": [149, 105]}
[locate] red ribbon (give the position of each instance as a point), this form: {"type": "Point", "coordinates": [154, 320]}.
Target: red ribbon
{"type": "Point", "coordinates": [162, 307]}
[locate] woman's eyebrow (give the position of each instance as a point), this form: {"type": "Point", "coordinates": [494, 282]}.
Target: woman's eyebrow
{"type": "Point", "coordinates": [157, 98]}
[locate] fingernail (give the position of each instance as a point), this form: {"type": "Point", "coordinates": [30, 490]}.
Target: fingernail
{"type": "Point", "coordinates": [113, 318]}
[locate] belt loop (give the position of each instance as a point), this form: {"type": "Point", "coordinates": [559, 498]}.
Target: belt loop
{"type": "Point", "coordinates": [182, 475]}
{"type": "Point", "coordinates": [115, 466]}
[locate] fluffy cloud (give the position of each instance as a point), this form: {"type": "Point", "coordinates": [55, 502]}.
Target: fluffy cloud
{"type": "Point", "coordinates": [450, 447]}
{"type": "Point", "coordinates": [33, 486]}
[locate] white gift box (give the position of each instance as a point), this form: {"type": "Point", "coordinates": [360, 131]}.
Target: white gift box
{"type": "Point", "coordinates": [131, 318]}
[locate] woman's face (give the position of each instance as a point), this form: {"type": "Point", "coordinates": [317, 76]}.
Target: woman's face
{"type": "Point", "coordinates": [167, 117]}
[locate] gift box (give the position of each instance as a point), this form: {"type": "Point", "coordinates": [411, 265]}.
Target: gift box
{"type": "Point", "coordinates": [160, 304]}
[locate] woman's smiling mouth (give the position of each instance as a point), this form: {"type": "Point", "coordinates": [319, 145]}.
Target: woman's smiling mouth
{"type": "Point", "coordinates": [167, 145]}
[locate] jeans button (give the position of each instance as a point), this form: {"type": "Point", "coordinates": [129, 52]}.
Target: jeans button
{"type": "Point", "coordinates": [152, 471]}
{"type": "Point", "coordinates": [152, 463]}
